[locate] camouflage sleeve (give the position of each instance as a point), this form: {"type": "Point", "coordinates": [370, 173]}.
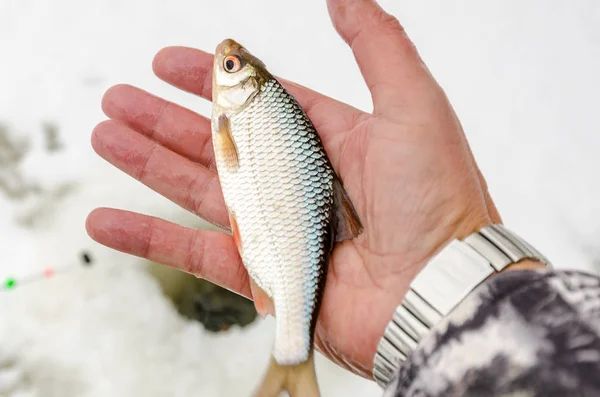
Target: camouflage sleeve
{"type": "Point", "coordinates": [523, 333]}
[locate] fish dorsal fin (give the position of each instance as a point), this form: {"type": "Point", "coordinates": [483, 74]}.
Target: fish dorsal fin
{"type": "Point", "coordinates": [347, 223]}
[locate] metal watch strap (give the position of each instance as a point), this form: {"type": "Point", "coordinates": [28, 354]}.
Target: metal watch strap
{"type": "Point", "coordinates": [442, 284]}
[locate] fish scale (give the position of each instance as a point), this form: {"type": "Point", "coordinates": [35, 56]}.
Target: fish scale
{"type": "Point", "coordinates": [281, 195]}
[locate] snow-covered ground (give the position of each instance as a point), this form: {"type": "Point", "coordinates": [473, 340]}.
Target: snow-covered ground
{"type": "Point", "coordinates": [523, 76]}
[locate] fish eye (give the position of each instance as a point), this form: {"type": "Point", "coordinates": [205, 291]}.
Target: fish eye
{"type": "Point", "coordinates": [232, 64]}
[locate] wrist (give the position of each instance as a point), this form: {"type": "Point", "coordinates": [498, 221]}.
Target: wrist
{"type": "Point", "coordinates": [525, 264]}
{"type": "Point", "coordinates": [458, 227]}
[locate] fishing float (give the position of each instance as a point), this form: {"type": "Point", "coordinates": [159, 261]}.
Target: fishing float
{"type": "Point", "coordinates": [10, 283]}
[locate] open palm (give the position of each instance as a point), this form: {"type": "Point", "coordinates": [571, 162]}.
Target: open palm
{"type": "Point", "coordinates": [407, 168]}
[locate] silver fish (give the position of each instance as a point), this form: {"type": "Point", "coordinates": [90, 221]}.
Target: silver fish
{"type": "Point", "coordinates": [287, 207]}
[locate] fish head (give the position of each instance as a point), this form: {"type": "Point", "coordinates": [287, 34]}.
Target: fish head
{"type": "Point", "coordinates": [237, 76]}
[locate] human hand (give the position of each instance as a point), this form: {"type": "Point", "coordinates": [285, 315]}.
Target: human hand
{"type": "Point", "coordinates": [407, 168]}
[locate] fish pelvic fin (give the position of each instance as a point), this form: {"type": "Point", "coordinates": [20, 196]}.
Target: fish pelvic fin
{"type": "Point", "coordinates": [235, 232]}
{"type": "Point", "coordinates": [346, 221]}
{"type": "Point", "coordinates": [262, 302]}
{"type": "Point", "coordinates": [298, 380]}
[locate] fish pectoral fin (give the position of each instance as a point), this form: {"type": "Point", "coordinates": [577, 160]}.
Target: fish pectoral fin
{"type": "Point", "coordinates": [347, 223]}
{"type": "Point", "coordinates": [262, 301]}
{"type": "Point", "coordinates": [225, 144]}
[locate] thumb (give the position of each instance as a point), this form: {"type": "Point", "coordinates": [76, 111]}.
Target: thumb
{"type": "Point", "coordinates": [385, 55]}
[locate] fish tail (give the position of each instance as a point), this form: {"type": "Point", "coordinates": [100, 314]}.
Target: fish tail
{"type": "Point", "coordinates": [298, 380]}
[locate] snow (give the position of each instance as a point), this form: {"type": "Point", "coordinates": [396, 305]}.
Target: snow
{"type": "Point", "coordinates": [521, 75]}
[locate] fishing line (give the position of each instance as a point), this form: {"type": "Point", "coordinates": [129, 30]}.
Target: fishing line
{"type": "Point", "coordinates": [10, 283]}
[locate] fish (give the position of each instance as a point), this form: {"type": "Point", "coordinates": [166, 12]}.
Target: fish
{"type": "Point", "coordinates": [287, 207]}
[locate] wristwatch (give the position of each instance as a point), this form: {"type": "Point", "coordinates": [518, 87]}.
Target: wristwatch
{"type": "Point", "coordinates": [442, 284]}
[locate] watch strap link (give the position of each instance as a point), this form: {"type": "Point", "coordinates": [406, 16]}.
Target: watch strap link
{"type": "Point", "coordinates": [442, 284]}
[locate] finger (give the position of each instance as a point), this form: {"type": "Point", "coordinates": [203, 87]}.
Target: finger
{"type": "Point", "coordinates": [186, 68]}
{"type": "Point", "coordinates": [191, 70]}
{"type": "Point", "coordinates": [173, 126]}
{"type": "Point", "coordinates": [207, 254]}
{"type": "Point", "coordinates": [386, 57]}
{"type": "Point", "coordinates": [184, 182]}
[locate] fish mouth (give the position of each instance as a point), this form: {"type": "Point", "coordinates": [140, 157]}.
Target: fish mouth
{"type": "Point", "coordinates": [227, 47]}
